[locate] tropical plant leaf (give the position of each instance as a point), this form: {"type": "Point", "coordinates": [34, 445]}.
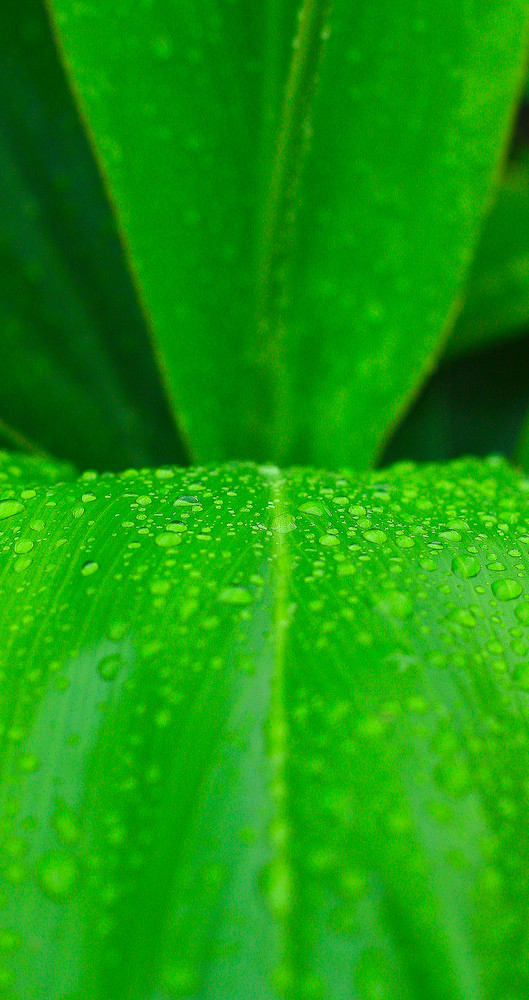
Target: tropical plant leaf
{"type": "Point", "coordinates": [265, 733]}
{"type": "Point", "coordinates": [497, 301]}
{"type": "Point", "coordinates": [76, 370]}
{"type": "Point", "coordinates": [474, 404]}
{"type": "Point", "coordinates": [315, 192]}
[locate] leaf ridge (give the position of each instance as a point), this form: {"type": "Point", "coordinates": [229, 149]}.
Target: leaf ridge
{"type": "Point", "coordinates": [278, 218]}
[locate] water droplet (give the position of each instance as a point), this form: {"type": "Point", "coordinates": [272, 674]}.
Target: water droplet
{"type": "Point", "coordinates": [168, 539]}
{"type": "Point", "coordinates": [66, 823]}
{"type": "Point", "coordinates": [404, 542]}
{"type": "Point", "coordinates": [465, 566]}
{"type": "Point", "coordinates": [179, 981]}
{"type": "Point", "coordinates": [57, 875]}
{"type": "Point", "coordinates": [506, 589]}
{"type": "Point", "coordinates": [20, 565]}
{"type": "Point", "coordinates": [283, 524]}
{"type": "Point", "coordinates": [329, 540]}
{"type": "Point", "coordinates": [464, 616]}
{"type": "Point", "coordinates": [397, 604]}
{"type": "Point", "coordinates": [110, 666]}
{"type": "Point", "coordinates": [28, 763]}
{"type": "Point", "coordinates": [176, 526]}
{"type": "Point", "coordinates": [186, 501]}
{"type": "Point", "coordinates": [89, 567]}
{"type": "Point", "coordinates": [117, 631]}
{"type": "Point", "coordinates": [235, 595]}
{"type": "Point", "coordinates": [143, 501]}
{"type": "Point", "coordinates": [375, 536]}
{"type": "Point", "coordinates": [23, 545]}
{"type": "Point", "coordinates": [313, 507]}
{"type": "Point", "coordinates": [522, 612]}
{"type": "Point", "coordinates": [8, 508]}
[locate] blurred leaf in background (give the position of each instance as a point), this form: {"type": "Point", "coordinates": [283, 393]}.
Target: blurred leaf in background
{"type": "Point", "coordinates": [303, 232]}
{"type": "Point", "coordinates": [77, 375]}
{"type": "Point", "coordinates": [477, 399]}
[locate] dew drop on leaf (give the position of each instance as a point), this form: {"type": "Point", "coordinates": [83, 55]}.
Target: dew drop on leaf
{"type": "Point", "coordinates": [23, 545]}
{"type": "Point", "coordinates": [376, 536]}
{"type": "Point", "coordinates": [465, 566]}
{"type": "Point", "coordinates": [57, 875]}
{"type": "Point", "coordinates": [283, 524]}
{"type": "Point", "coordinates": [28, 763]}
{"type": "Point", "coordinates": [177, 527]}
{"type": "Point", "coordinates": [235, 595]}
{"type": "Point", "coordinates": [66, 823]}
{"type": "Point", "coordinates": [110, 666]}
{"type": "Point", "coordinates": [8, 508]}
{"type": "Point", "coordinates": [522, 612]}
{"type": "Point", "coordinates": [313, 507]}
{"type": "Point", "coordinates": [22, 564]}
{"type": "Point", "coordinates": [179, 981]}
{"type": "Point", "coordinates": [168, 539]}
{"type": "Point", "coordinates": [396, 603]}
{"type": "Point", "coordinates": [506, 589]}
{"type": "Point", "coordinates": [185, 501]}
{"type": "Point", "coordinates": [329, 541]}
{"type": "Point", "coordinates": [89, 567]}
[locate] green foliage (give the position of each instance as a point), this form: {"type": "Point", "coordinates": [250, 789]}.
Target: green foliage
{"type": "Point", "coordinates": [286, 712]}
{"type": "Point", "coordinates": [263, 731]}
{"type": "Point", "coordinates": [497, 299]}
{"type": "Point", "coordinates": [300, 254]}
{"type": "Point", "coordinates": [68, 312]}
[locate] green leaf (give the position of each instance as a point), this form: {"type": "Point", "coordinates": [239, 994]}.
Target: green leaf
{"type": "Point", "coordinates": [265, 734]}
{"type": "Point", "coordinates": [497, 299]}
{"type": "Point", "coordinates": [76, 370]}
{"type": "Point", "coordinates": [314, 196]}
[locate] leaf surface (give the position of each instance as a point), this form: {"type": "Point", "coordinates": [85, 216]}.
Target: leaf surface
{"type": "Point", "coordinates": [300, 199]}
{"type": "Point", "coordinates": [77, 376]}
{"type": "Point", "coordinates": [265, 733]}
{"type": "Point", "coordinates": [497, 299]}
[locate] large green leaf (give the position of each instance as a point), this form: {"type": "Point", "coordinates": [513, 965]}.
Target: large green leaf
{"type": "Point", "coordinates": [265, 734]}
{"type": "Point", "coordinates": [76, 370]}
{"type": "Point", "coordinates": [300, 203]}
{"type": "Point", "coordinates": [497, 301]}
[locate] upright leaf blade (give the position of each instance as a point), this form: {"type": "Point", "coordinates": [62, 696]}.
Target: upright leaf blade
{"type": "Point", "coordinates": [76, 371]}
{"type": "Point", "coordinates": [312, 210]}
{"type": "Point", "coordinates": [497, 298]}
{"type": "Point", "coordinates": [265, 734]}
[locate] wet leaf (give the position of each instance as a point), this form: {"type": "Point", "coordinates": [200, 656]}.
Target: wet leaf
{"type": "Point", "coordinates": [284, 755]}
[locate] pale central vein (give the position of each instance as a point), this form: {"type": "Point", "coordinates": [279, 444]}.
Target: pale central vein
{"type": "Point", "coordinates": [278, 219]}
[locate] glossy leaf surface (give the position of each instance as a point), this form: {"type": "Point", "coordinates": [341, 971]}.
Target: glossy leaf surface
{"type": "Point", "coordinates": [300, 200]}
{"type": "Point", "coordinates": [265, 734]}
{"type": "Point", "coordinates": [77, 376]}
{"type": "Point", "coordinates": [497, 299]}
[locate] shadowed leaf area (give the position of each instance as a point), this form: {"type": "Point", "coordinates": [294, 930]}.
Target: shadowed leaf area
{"type": "Point", "coordinates": [77, 376]}
{"type": "Point", "coordinates": [264, 733]}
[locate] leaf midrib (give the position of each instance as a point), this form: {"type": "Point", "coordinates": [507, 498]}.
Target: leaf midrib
{"type": "Point", "coordinates": [280, 208]}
